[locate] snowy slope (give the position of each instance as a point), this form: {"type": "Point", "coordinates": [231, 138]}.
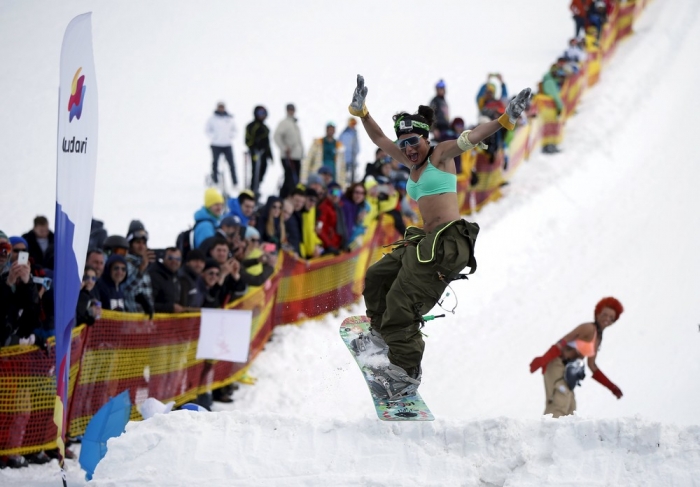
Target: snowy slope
{"type": "Point", "coordinates": [275, 449]}
{"type": "Point", "coordinates": [611, 215]}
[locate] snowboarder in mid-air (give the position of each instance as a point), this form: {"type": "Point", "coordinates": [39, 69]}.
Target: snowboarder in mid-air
{"type": "Point", "coordinates": [407, 283]}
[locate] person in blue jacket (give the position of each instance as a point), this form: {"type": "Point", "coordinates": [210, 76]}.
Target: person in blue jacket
{"type": "Point", "coordinates": [109, 286]}
{"type": "Point", "coordinates": [243, 206]}
{"type": "Point", "coordinates": [206, 219]}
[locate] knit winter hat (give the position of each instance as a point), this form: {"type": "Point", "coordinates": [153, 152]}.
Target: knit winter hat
{"type": "Point", "coordinates": [212, 196]}
{"type": "Point", "coordinates": [251, 232]}
{"type": "Point", "coordinates": [136, 230]}
{"type": "Point", "coordinates": [315, 179]}
{"type": "Point", "coordinates": [15, 240]}
{"type": "Point", "coordinates": [195, 254]}
{"type": "Point", "coordinates": [211, 264]}
{"type": "Point", "coordinates": [3, 235]}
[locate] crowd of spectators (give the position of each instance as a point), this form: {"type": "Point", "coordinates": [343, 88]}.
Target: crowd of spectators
{"type": "Point", "coordinates": [323, 208]}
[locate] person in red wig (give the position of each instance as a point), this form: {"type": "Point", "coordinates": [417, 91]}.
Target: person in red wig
{"type": "Point", "coordinates": [562, 365]}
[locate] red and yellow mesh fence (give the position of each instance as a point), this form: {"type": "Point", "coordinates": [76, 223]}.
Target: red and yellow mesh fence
{"type": "Point", "coordinates": [28, 394]}
{"type": "Point", "coordinates": [156, 358]}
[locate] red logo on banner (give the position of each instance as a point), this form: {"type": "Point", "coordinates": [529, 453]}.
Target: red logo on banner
{"type": "Point", "coordinates": [77, 95]}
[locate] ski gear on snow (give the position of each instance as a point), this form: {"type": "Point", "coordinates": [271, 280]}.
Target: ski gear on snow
{"type": "Point", "coordinates": [365, 340]}
{"type": "Point", "coordinates": [392, 382]}
{"type": "Point", "coordinates": [405, 408]}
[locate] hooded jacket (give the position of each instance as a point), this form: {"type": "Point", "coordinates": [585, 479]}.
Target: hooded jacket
{"type": "Point", "coordinates": [206, 224]}
{"type": "Point", "coordinates": [111, 295]}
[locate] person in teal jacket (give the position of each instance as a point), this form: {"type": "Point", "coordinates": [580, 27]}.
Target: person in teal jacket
{"type": "Point", "coordinates": [206, 219]}
{"type": "Point", "coordinates": [551, 85]}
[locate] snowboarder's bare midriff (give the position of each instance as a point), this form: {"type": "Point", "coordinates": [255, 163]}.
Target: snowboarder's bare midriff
{"type": "Point", "coordinates": [438, 209]}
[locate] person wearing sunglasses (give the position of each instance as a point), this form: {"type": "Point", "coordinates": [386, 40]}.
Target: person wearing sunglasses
{"type": "Point", "coordinates": [110, 285]}
{"type": "Point", "coordinates": [405, 284]}
{"type": "Point", "coordinates": [89, 305]}
{"type": "Point", "coordinates": [213, 291]}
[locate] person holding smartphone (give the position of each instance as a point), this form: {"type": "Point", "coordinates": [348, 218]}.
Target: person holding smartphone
{"type": "Point", "coordinates": [19, 298]}
{"type": "Point", "coordinates": [89, 306]}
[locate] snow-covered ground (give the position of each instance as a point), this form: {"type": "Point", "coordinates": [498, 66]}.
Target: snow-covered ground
{"type": "Point", "coordinates": [611, 215]}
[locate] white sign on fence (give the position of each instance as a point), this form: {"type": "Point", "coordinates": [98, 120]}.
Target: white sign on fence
{"type": "Point", "coordinates": [224, 334]}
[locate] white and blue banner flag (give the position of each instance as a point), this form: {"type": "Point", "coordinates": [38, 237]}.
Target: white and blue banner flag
{"type": "Point", "coordinates": [75, 187]}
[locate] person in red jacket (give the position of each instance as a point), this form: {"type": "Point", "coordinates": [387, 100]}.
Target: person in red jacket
{"type": "Point", "coordinates": [562, 366]}
{"type": "Point", "coordinates": [579, 9]}
{"type": "Point", "coordinates": [327, 221]}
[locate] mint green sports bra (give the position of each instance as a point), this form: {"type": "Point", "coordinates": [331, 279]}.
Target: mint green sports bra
{"type": "Point", "coordinates": [431, 181]}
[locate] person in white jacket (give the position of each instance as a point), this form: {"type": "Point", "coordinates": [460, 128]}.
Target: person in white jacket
{"type": "Point", "coordinates": [221, 130]}
{"type": "Point", "coordinates": [288, 139]}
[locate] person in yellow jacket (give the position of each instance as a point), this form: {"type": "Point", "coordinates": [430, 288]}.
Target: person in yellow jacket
{"type": "Point", "coordinates": [326, 151]}
{"type": "Point", "coordinates": [311, 245]}
{"type": "Point", "coordinates": [382, 198]}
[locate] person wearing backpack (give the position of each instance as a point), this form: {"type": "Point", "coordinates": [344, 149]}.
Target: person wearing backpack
{"type": "Point", "coordinates": [562, 365]}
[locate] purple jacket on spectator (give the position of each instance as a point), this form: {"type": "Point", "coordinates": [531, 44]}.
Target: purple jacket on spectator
{"type": "Point", "coordinates": [350, 211]}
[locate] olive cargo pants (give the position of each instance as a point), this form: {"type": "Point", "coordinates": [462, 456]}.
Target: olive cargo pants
{"type": "Point", "coordinates": [405, 284]}
{"type": "Point", "coordinates": [559, 399]}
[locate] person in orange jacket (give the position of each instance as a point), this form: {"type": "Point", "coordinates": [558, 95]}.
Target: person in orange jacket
{"type": "Point", "coordinates": [562, 366]}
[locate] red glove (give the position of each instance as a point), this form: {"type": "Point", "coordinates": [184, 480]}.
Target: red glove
{"type": "Point", "coordinates": [600, 377]}
{"type": "Point", "coordinates": [542, 361]}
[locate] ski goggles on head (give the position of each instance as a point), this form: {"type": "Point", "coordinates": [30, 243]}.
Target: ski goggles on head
{"type": "Point", "coordinates": [408, 141]}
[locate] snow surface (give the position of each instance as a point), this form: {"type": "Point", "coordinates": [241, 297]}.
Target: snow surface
{"type": "Point", "coordinates": [611, 215]}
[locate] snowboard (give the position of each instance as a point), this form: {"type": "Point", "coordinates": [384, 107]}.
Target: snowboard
{"type": "Point", "coordinates": [406, 408]}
